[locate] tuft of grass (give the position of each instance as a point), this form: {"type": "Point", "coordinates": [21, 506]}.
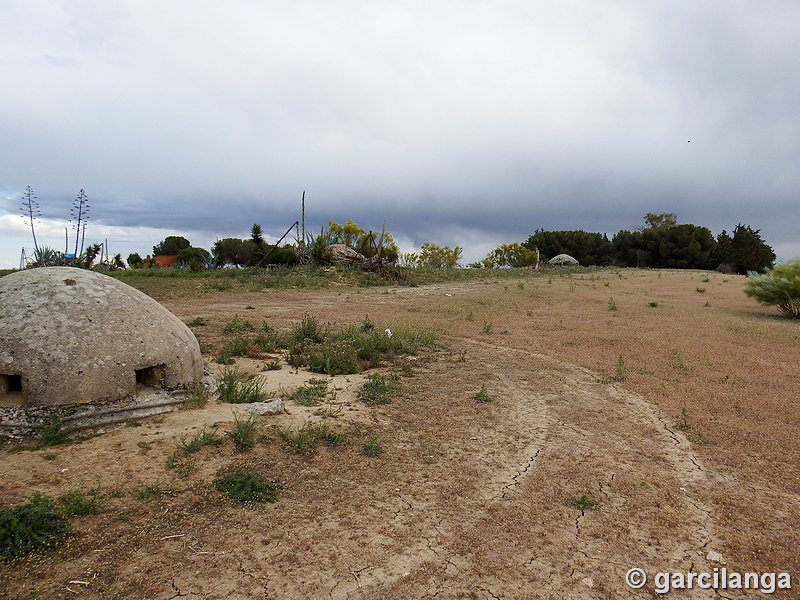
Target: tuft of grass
{"type": "Point", "coordinates": [236, 387]}
{"type": "Point", "coordinates": [308, 436]}
{"type": "Point", "coordinates": [377, 389]}
{"type": "Point", "coordinates": [237, 326]}
{"type": "Point", "coordinates": [612, 305]}
{"type": "Point", "coordinates": [54, 432]}
{"type": "Point", "coordinates": [238, 346]}
{"type": "Point", "coordinates": [311, 394]}
{"type": "Point", "coordinates": [584, 502]}
{"type": "Point", "coordinates": [244, 431]}
{"type": "Point", "coordinates": [373, 447]}
{"type": "Point", "coordinates": [247, 486]}
{"type": "Point", "coordinates": [652, 304]}
{"type": "Point", "coordinates": [196, 395]}
{"type": "Point", "coordinates": [204, 437]}
{"type": "Point", "coordinates": [152, 490]}
{"type": "Point", "coordinates": [620, 373]}
{"type": "Point", "coordinates": [197, 322]}
{"type": "Point", "coordinates": [700, 290]}
{"type": "Point", "coordinates": [80, 503]}
{"type": "Point", "coordinates": [31, 527]}
{"type": "Point", "coordinates": [483, 394]}
{"type": "Point", "coordinates": [683, 423]}
{"type": "Point", "coordinates": [487, 328]}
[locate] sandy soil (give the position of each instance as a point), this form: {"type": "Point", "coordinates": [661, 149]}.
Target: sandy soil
{"type": "Point", "coordinates": [679, 418]}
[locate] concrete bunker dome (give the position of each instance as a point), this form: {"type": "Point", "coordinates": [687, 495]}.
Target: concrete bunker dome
{"type": "Point", "coordinates": [70, 336]}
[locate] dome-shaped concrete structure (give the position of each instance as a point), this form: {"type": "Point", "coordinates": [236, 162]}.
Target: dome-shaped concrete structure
{"type": "Point", "coordinates": [562, 260]}
{"type": "Point", "coordinates": [71, 336]}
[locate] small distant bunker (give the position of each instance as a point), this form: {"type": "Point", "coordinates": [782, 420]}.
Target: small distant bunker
{"type": "Point", "coordinates": [562, 260]}
{"type": "Point", "coordinates": [70, 337]}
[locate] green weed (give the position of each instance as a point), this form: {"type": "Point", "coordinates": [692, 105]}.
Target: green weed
{"type": "Point", "coordinates": [377, 389]}
{"type": "Point", "coordinates": [483, 394]}
{"type": "Point", "coordinates": [204, 437]}
{"type": "Point", "coordinates": [80, 503]}
{"type": "Point", "coordinates": [237, 326]}
{"type": "Point", "coordinates": [311, 394]}
{"type": "Point", "coordinates": [54, 432]}
{"type": "Point", "coordinates": [247, 486]}
{"type": "Point", "coordinates": [373, 447]}
{"type": "Point", "coordinates": [307, 437]}
{"type": "Point", "coordinates": [584, 502]}
{"type": "Point", "coordinates": [31, 527]}
{"type": "Point", "coordinates": [236, 387]}
{"type": "Point", "coordinates": [152, 490]}
{"type": "Point", "coordinates": [196, 395]}
{"type": "Point", "coordinates": [244, 431]}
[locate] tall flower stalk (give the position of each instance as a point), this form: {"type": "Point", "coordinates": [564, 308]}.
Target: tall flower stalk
{"type": "Point", "coordinates": [80, 214]}
{"type": "Point", "coordinates": [31, 212]}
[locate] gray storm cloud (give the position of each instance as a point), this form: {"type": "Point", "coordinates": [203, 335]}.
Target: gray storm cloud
{"type": "Point", "coordinates": [434, 116]}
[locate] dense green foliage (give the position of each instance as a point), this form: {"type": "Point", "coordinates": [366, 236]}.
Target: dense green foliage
{"type": "Point", "coordinates": [661, 243]}
{"type": "Point", "coordinates": [779, 287]}
{"type": "Point", "coordinates": [510, 255]}
{"type": "Point", "coordinates": [587, 248]}
{"type": "Point", "coordinates": [676, 247]}
{"type": "Point", "coordinates": [744, 251]}
{"type": "Point", "coordinates": [437, 257]}
{"type": "Point", "coordinates": [170, 246]}
{"type": "Point", "coordinates": [246, 486]}
{"type": "Point", "coordinates": [31, 527]}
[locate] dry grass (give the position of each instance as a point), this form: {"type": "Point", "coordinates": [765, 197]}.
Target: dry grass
{"type": "Point", "coordinates": [695, 450]}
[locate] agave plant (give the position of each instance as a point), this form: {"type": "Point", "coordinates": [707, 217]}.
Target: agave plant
{"type": "Point", "coordinates": [47, 257]}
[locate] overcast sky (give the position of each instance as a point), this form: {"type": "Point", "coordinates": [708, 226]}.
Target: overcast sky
{"type": "Point", "coordinates": [457, 122]}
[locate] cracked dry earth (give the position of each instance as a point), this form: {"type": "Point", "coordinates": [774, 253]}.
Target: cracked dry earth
{"type": "Point", "coordinates": [469, 499]}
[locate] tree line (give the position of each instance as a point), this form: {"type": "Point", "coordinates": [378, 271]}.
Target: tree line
{"type": "Point", "coordinates": [661, 243]}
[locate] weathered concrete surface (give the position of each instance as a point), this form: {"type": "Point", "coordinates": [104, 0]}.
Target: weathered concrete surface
{"type": "Point", "coordinates": [71, 336]}
{"type": "Point", "coordinates": [562, 260]}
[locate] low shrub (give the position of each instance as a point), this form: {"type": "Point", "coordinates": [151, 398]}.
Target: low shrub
{"type": "Point", "coordinates": [244, 431]}
{"type": "Point", "coordinates": [55, 432]}
{"type": "Point", "coordinates": [311, 394]}
{"type": "Point", "coordinates": [377, 389]}
{"type": "Point", "coordinates": [779, 286]}
{"type": "Point", "coordinates": [204, 437]}
{"type": "Point", "coordinates": [196, 395]}
{"type": "Point", "coordinates": [307, 437]}
{"type": "Point", "coordinates": [80, 503]}
{"type": "Point", "coordinates": [236, 387]}
{"type": "Point", "coordinates": [247, 486]}
{"type": "Point", "coordinates": [31, 527]}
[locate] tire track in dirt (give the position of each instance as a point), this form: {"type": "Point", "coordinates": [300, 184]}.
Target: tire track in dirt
{"type": "Point", "coordinates": [516, 538]}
